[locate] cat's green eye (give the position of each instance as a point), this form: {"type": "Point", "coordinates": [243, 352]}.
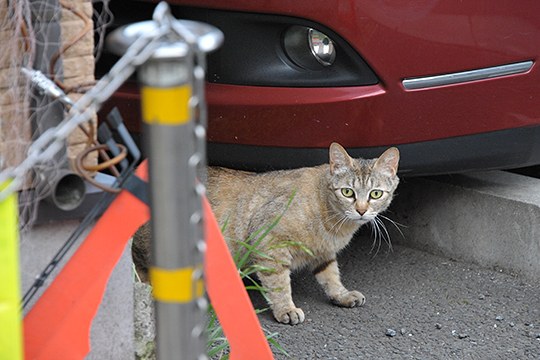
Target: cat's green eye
{"type": "Point", "coordinates": [347, 192]}
{"type": "Point", "coordinates": [376, 194]}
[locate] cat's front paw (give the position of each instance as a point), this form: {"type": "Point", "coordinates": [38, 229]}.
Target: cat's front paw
{"type": "Point", "coordinates": [292, 316]}
{"type": "Point", "coordinates": [349, 299]}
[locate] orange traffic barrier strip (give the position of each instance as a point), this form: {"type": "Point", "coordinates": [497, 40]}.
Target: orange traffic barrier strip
{"type": "Point", "coordinates": [229, 297]}
{"type": "Point", "coordinates": [58, 326]}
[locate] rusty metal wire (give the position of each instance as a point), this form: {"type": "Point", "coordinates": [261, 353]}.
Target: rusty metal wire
{"type": "Point", "coordinates": [85, 170]}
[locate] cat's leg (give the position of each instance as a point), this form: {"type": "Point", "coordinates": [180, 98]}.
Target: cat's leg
{"type": "Point", "coordinates": [327, 274]}
{"type": "Point", "coordinates": [278, 283]}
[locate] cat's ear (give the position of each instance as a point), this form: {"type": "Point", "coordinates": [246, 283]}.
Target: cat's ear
{"type": "Point", "coordinates": [388, 162]}
{"type": "Point", "coordinates": [339, 159]}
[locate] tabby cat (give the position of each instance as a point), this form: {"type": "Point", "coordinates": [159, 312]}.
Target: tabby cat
{"type": "Point", "coordinates": [322, 207]}
{"type": "Point", "coordinates": [329, 203]}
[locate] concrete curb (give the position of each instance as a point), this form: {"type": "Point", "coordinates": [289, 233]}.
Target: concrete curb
{"type": "Point", "coordinates": [488, 218]}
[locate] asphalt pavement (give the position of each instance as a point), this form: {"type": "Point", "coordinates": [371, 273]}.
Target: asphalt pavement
{"type": "Point", "coordinates": [479, 298]}
{"type": "Point", "coordinates": [418, 306]}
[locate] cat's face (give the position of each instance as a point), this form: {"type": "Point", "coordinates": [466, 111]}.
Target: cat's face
{"type": "Point", "coordinates": [362, 188]}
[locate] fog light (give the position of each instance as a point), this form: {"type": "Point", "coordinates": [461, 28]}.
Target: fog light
{"type": "Point", "coordinates": [322, 47]}
{"type": "Point", "coordinates": [309, 48]}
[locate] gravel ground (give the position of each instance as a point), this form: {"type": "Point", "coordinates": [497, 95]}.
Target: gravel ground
{"type": "Point", "coordinates": [418, 306]}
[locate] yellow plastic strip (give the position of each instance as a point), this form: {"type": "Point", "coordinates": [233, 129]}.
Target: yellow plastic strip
{"type": "Point", "coordinates": [10, 313]}
{"type": "Point", "coordinates": [176, 285]}
{"type": "Point", "coordinates": [166, 106]}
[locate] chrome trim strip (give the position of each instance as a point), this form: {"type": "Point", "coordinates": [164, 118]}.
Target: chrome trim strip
{"type": "Point", "coordinates": [466, 76]}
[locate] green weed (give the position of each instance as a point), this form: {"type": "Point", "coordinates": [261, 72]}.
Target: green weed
{"type": "Point", "coordinates": [218, 345]}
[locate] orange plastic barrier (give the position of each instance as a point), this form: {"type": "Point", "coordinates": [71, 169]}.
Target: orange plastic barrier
{"type": "Point", "coordinates": [229, 297]}
{"type": "Point", "coordinates": [58, 326]}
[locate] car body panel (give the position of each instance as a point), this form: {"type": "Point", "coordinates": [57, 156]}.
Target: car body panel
{"type": "Point", "coordinates": [398, 40]}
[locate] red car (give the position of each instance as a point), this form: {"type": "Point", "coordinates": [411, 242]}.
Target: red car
{"type": "Point", "coordinates": [453, 84]}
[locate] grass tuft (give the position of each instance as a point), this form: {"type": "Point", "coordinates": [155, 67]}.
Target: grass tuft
{"type": "Point", "coordinates": [218, 345]}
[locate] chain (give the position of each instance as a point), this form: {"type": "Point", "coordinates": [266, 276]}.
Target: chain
{"type": "Point", "coordinates": [198, 104]}
{"type": "Point", "coordinates": [53, 140]}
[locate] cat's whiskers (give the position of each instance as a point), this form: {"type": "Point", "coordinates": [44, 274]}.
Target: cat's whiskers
{"type": "Point", "coordinates": [336, 220]}
{"type": "Point", "coordinates": [377, 241]}
{"type": "Point", "coordinates": [332, 214]}
{"type": "Point", "coordinates": [375, 234]}
{"type": "Point", "coordinates": [395, 223]}
{"type": "Point", "coordinates": [339, 224]}
{"type": "Point", "coordinates": [385, 235]}
{"type": "Point", "coordinates": [329, 218]}
{"type": "Point", "coordinates": [380, 234]}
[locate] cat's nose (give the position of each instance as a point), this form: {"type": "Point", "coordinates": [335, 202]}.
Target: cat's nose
{"type": "Point", "coordinates": [361, 209]}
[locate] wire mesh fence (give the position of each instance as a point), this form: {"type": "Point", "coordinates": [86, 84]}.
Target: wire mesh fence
{"type": "Point", "coordinates": [61, 39]}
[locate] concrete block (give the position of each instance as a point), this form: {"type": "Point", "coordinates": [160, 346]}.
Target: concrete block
{"type": "Point", "coordinates": [15, 135]}
{"type": "Point", "coordinates": [9, 77]}
{"type": "Point", "coordinates": [77, 66]}
{"type": "Point", "coordinates": [84, 7]}
{"type": "Point", "coordinates": [84, 81]}
{"type": "Point", "coordinates": [488, 218]}
{"type": "Point", "coordinates": [144, 322]}
{"type": "Point", "coordinates": [72, 29]}
{"type": "Point", "coordinates": [10, 96]}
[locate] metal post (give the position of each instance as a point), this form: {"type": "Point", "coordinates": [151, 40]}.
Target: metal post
{"type": "Point", "coordinates": [176, 274]}
{"type": "Point", "coordinates": [173, 111]}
